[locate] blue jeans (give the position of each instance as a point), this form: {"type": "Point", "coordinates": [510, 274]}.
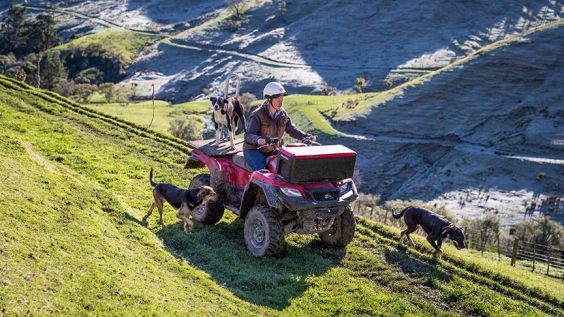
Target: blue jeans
{"type": "Point", "coordinates": [255, 159]}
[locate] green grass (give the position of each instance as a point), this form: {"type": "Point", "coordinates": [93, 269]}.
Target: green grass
{"type": "Point", "coordinates": [142, 113]}
{"type": "Point", "coordinates": [75, 188]}
{"type": "Point", "coordinates": [124, 43]}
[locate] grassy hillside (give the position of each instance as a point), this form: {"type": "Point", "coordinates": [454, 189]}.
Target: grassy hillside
{"type": "Point", "coordinates": [123, 43]}
{"type": "Point", "coordinates": [142, 113]}
{"type": "Point", "coordinates": [308, 111]}
{"type": "Point", "coordinates": [75, 188]}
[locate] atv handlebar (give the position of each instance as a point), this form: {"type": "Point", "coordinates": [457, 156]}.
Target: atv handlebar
{"type": "Point", "coordinates": [310, 140]}
{"type": "Point", "coordinates": [269, 142]}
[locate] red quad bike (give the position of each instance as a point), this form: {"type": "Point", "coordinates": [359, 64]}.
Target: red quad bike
{"type": "Point", "coordinates": [307, 189]}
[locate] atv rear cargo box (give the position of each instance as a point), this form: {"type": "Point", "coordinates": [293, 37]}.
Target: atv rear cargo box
{"type": "Point", "coordinates": [315, 163]}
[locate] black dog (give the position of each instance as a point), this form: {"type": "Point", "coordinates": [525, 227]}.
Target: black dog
{"type": "Point", "coordinates": [227, 112]}
{"type": "Point", "coordinates": [185, 200]}
{"type": "Point", "coordinates": [436, 227]}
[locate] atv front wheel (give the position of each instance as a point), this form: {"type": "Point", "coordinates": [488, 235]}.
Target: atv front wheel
{"type": "Point", "coordinates": [208, 213]}
{"type": "Point", "coordinates": [264, 234]}
{"type": "Point", "coordinates": [341, 232]}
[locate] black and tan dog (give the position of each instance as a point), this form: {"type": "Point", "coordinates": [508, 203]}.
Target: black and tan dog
{"type": "Point", "coordinates": [437, 227]}
{"type": "Point", "coordinates": [184, 200]}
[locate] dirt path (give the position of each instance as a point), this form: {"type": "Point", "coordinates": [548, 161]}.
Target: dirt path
{"type": "Point", "coordinates": [462, 146]}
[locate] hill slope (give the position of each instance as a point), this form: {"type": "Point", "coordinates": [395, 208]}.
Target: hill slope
{"type": "Point", "coordinates": [75, 187]}
{"type": "Point", "coordinates": [476, 137]}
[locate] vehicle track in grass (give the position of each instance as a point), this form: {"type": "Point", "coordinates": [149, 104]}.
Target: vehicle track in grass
{"type": "Point", "coordinates": [170, 141]}
{"type": "Point", "coordinates": [493, 281]}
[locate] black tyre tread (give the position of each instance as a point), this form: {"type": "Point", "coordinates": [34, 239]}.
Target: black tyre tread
{"type": "Point", "coordinates": [214, 210]}
{"type": "Point", "coordinates": [346, 235]}
{"type": "Point", "coordinates": [276, 231]}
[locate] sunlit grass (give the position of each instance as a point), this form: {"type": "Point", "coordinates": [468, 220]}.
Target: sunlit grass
{"type": "Point", "coordinates": [124, 43]}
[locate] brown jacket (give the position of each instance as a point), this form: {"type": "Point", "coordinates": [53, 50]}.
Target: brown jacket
{"type": "Point", "coordinates": [262, 124]}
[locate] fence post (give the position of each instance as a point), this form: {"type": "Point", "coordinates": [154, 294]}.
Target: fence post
{"type": "Point", "coordinates": [534, 254]}
{"type": "Point", "coordinates": [548, 260]}
{"type": "Point", "coordinates": [498, 248]}
{"type": "Point", "coordinates": [515, 251]}
{"type": "Point", "coordinates": [386, 217]}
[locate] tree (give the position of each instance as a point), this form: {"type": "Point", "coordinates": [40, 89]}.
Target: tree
{"type": "Point", "coordinates": [133, 91]}
{"type": "Point", "coordinates": [90, 75]}
{"type": "Point", "coordinates": [52, 69]}
{"type": "Point", "coordinates": [83, 91]}
{"type": "Point", "coordinates": [64, 87]}
{"type": "Point", "coordinates": [236, 8]}
{"type": "Point", "coordinates": [282, 7]}
{"type": "Point", "coordinates": [41, 34]}
{"type": "Point", "coordinates": [107, 89]}
{"type": "Point", "coordinates": [6, 61]}
{"type": "Point", "coordinates": [94, 56]}
{"type": "Point", "coordinates": [482, 232]}
{"type": "Point", "coordinates": [360, 84]}
{"type": "Point", "coordinates": [186, 129]}
{"type": "Point", "coordinates": [11, 33]}
{"type": "Point", "coordinates": [542, 230]}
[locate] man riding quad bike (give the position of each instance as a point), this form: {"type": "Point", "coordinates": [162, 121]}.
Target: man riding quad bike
{"type": "Point", "coordinates": [300, 188]}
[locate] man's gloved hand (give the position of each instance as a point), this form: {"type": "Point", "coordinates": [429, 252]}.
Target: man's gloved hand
{"type": "Point", "coordinates": [261, 141]}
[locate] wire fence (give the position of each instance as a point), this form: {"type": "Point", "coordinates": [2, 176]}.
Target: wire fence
{"type": "Point", "coordinates": [538, 257]}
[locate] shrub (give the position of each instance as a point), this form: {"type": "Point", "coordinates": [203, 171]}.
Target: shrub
{"type": "Point", "coordinates": [482, 233]}
{"type": "Point", "coordinates": [108, 90]}
{"type": "Point", "coordinates": [328, 90]}
{"type": "Point", "coordinates": [246, 99]}
{"type": "Point", "coordinates": [186, 129]}
{"type": "Point", "coordinates": [83, 91]}
{"type": "Point", "coordinates": [542, 231]}
{"type": "Point", "coordinates": [360, 84]}
{"type": "Point", "coordinates": [90, 75]}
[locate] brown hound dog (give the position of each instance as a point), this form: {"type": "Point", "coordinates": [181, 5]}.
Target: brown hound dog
{"type": "Point", "coordinates": [184, 200]}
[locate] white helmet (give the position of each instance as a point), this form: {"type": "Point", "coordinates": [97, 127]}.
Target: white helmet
{"type": "Point", "coordinates": [272, 89]}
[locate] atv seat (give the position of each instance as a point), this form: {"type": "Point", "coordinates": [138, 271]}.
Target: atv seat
{"type": "Point", "coordinates": [239, 160]}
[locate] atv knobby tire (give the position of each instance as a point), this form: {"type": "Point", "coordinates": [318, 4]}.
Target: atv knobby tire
{"type": "Point", "coordinates": [341, 232]}
{"type": "Point", "coordinates": [210, 212]}
{"type": "Point", "coordinates": [264, 234]}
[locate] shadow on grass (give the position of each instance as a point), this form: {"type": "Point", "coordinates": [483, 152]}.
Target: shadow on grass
{"type": "Point", "coordinates": [273, 282]}
{"type": "Point", "coordinates": [415, 267]}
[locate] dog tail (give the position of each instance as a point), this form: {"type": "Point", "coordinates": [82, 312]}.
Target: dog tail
{"type": "Point", "coordinates": [240, 113]}
{"type": "Point", "coordinates": [401, 213]}
{"type": "Point", "coordinates": [151, 180]}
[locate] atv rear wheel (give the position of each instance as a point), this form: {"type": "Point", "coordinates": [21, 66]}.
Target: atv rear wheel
{"type": "Point", "coordinates": [264, 234]}
{"type": "Point", "coordinates": [341, 232]}
{"type": "Point", "coordinates": [208, 213]}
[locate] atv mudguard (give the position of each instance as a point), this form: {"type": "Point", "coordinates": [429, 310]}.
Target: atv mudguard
{"type": "Point", "coordinates": [250, 194]}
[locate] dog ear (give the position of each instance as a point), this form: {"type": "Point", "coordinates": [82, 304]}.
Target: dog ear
{"type": "Point", "coordinates": [447, 229]}
{"type": "Point", "coordinates": [200, 193]}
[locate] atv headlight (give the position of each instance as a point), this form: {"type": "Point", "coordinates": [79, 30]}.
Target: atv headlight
{"type": "Point", "coordinates": [345, 190]}
{"type": "Point", "coordinates": [290, 192]}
